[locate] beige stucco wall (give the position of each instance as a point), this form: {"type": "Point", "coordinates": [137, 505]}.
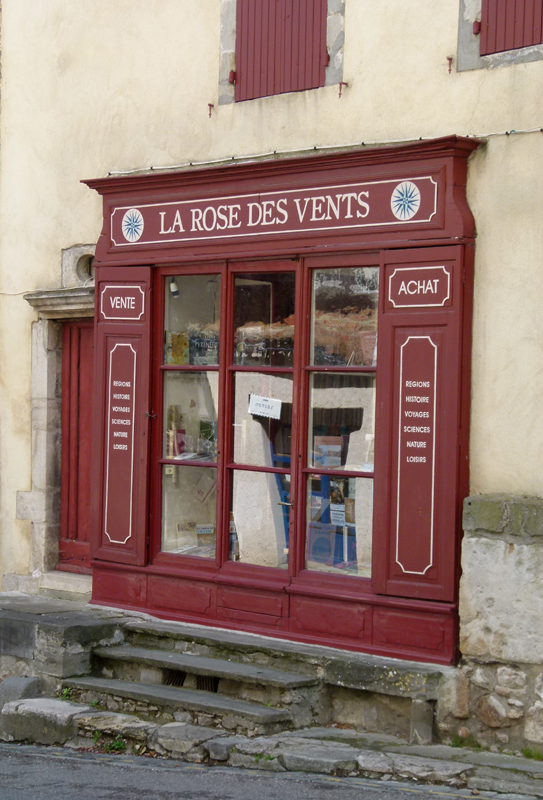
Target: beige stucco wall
{"type": "Point", "coordinates": [90, 88]}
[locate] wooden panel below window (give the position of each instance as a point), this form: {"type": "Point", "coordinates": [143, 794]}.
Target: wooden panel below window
{"type": "Point", "coordinates": [255, 602]}
{"type": "Point", "coordinates": [370, 627]}
{"type": "Point", "coordinates": [251, 621]}
{"type": "Point", "coordinates": [178, 595]}
{"type": "Point", "coordinates": [411, 632]}
{"type": "Point", "coordinates": [349, 620]}
{"type": "Point", "coordinates": [121, 588]}
{"type": "Point", "coordinates": [253, 608]}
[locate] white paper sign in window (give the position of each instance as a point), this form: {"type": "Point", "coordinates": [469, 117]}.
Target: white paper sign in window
{"type": "Point", "coordinates": [264, 406]}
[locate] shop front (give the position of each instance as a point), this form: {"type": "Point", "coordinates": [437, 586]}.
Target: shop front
{"type": "Point", "coordinates": [281, 407]}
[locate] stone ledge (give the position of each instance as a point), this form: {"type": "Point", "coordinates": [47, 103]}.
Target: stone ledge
{"type": "Point", "coordinates": [509, 517]}
{"type": "Point", "coordinates": [55, 584]}
{"type": "Point", "coordinates": [66, 585]}
{"type": "Point", "coordinates": [63, 303]}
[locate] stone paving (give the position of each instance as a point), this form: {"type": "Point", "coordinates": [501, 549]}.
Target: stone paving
{"type": "Point", "coordinates": [331, 751]}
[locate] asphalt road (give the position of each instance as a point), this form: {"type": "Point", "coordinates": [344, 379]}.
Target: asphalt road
{"type": "Point", "coordinates": [30, 772]}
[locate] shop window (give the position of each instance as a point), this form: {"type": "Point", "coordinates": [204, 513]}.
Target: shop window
{"type": "Point", "coordinates": [510, 24]}
{"type": "Point", "coordinates": [190, 407]}
{"type": "Point", "coordinates": [280, 47]}
{"type": "Point", "coordinates": [341, 417]}
{"type": "Point", "coordinates": [289, 388]}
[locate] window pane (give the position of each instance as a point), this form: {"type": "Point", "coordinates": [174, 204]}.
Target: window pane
{"type": "Point", "coordinates": [259, 519]}
{"type": "Point", "coordinates": [190, 415]}
{"type": "Point", "coordinates": [339, 524]}
{"type": "Point", "coordinates": [191, 321]}
{"type": "Point", "coordinates": [262, 419]}
{"type": "Point", "coordinates": [341, 421]}
{"type": "Point", "coordinates": [264, 319]}
{"type": "Point", "coordinates": [344, 318]}
{"type": "Point", "coordinates": [189, 510]}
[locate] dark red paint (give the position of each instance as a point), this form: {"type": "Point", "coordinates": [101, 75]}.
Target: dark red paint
{"type": "Point", "coordinates": [280, 47]}
{"type": "Point", "coordinates": [510, 24]}
{"type": "Point", "coordinates": [75, 491]}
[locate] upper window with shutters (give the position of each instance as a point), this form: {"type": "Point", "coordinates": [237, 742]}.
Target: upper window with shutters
{"type": "Point", "coordinates": [494, 33]}
{"type": "Point", "coordinates": [270, 47]}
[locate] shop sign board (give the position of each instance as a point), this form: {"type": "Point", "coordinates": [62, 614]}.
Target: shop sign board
{"type": "Point", "coordinates": [341, 207]}
{"type": "Point", "coordinates": [419, 287]}
{"type": "Point", "coordinates": [122, 303]}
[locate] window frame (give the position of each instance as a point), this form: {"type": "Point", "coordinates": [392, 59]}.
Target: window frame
{"type": "Point", "coordinates": [226, 465]}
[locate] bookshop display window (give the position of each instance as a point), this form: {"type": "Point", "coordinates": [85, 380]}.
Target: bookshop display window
{"type": "Point", "coordinates": [333, 406]}
{"type": "Point", "coordinates": [341, 430]}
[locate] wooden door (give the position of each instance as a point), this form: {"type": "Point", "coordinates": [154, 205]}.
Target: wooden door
{"type": "Point", "coordinates": [77, 385]}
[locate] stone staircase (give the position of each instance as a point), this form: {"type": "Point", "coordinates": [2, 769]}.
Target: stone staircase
{"type": "Point", "coordinates": [119, 663]}
{"type": "Point", "coordinates": [180, 677]}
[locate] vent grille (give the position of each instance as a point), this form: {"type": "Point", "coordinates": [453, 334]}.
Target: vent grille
{"type": "Point", "coordinates": [207, 683]}
{"type": "Point", "coordinates": [173, 677]}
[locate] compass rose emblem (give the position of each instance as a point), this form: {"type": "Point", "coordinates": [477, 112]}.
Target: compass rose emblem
{"type": "Point", "coordinates": [405, 200]}
{"type": "Point", "coordinates": [132, 225]}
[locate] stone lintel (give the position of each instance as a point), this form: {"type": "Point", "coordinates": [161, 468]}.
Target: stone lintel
{"type": "Point", "coordinates": [63, 303]}
{"type": "Point", "coordinates": [505, 516]}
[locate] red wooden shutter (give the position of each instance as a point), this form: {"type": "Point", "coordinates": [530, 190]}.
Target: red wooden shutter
{"type": "Point", "coordinates": [421, 424]}
{"type": "Point", "coordinates": [508, 24]}
{"type": "Point", "coordinates": [280, 46]}
{"type": "Point", "coordinates": [121, 424]}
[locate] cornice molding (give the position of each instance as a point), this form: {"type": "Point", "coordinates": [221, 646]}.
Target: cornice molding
{"type": "Point", "coordinates": [63, 303]}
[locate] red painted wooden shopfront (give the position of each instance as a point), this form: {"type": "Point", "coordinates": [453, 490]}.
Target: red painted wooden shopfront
{"type": "Point", "coordinates": [282, 396]}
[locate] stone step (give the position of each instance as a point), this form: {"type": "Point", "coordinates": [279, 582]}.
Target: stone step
{"type": "Point", "coordinates": [202, 665]}
{"type": "Point", "coordinates": [233, 714]}
{"type": "Point", "coordinates": [358, 671]}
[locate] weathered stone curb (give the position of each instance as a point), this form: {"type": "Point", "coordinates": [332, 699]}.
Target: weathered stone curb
{"type": "Point", "coordinates": [42, 720]}
{"type": "Point", "coordinates": [323, 751]}
{"type": "Point", "coordinates": [329, 751]}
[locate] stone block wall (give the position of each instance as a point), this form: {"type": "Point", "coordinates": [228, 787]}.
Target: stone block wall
{"type": "Point", "coordinates": [496, 696]}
